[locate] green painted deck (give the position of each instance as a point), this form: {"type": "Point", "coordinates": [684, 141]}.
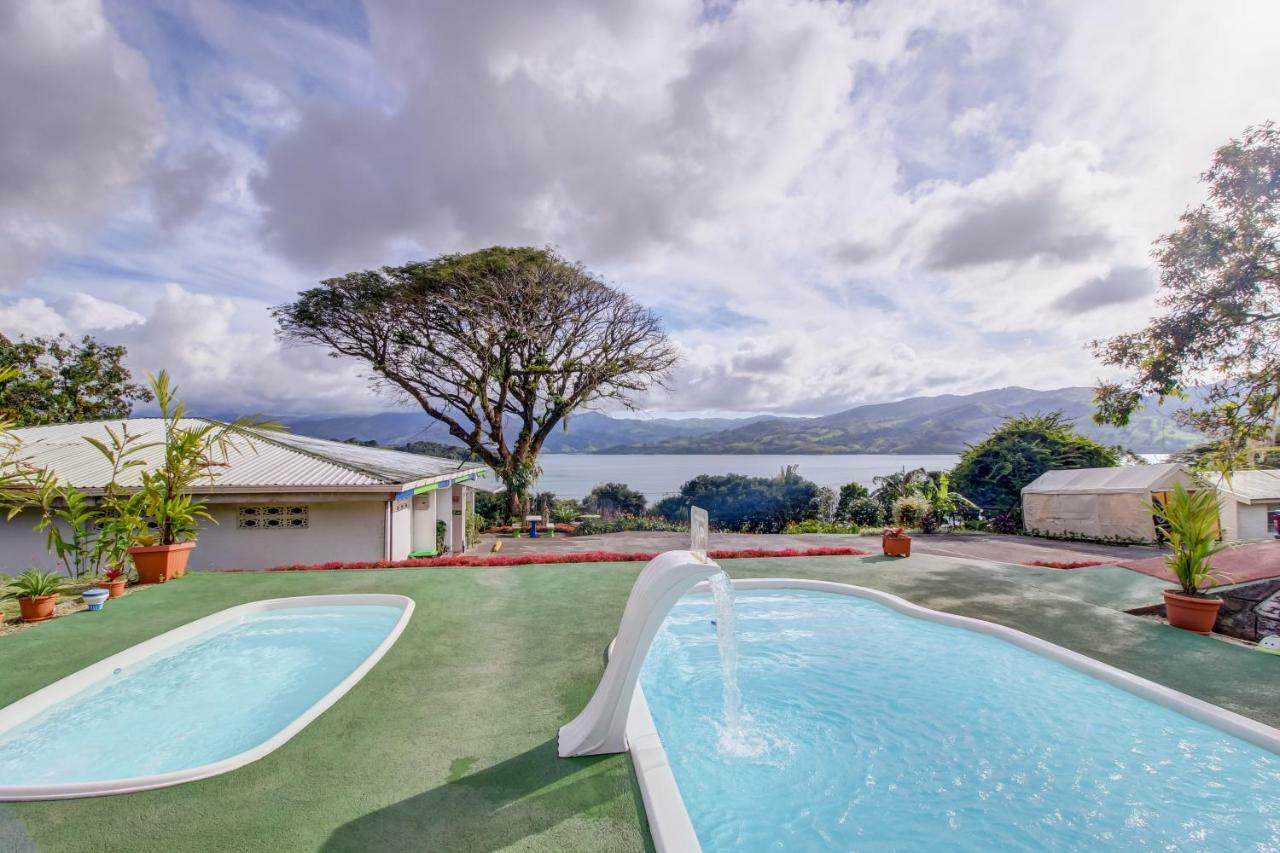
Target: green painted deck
{"type": "Point", "coordinates": [449, 743]}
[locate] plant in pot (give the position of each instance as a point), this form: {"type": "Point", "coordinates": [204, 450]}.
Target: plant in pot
{"type": "Point", "coordinates": [194, 451]}
{"type": "Point", "coordinates": [37, 594]}
{"type": "Point", "coordinates": [114, 581]}
{"type": "Point", "coordinates": [895, 542]}
{"type": "Point", "coordinates": [1191, 518]}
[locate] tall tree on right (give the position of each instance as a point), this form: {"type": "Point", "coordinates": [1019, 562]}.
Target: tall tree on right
{"type": "Point", "coordinates": [1220, 288]}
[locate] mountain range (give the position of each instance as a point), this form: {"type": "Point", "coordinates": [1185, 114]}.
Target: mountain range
{"type": "Point", "coordinates": [939, 424]}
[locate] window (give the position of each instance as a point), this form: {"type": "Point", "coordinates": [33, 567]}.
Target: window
{"type": "Point", "coordinates": [272, 517]}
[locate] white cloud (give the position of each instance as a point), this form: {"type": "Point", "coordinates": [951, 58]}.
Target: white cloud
{"type": "Point", "coordinates": [833, 203]}
{"type": "Point", "coordinates": [81, 120]}
{"type": "Point", "coordinates": [30, 317]}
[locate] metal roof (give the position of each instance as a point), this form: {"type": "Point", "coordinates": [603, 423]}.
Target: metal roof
{"type": "Point", "coordinates": [1125, 478]}
{"type": "Point", "coordinates": [264, 461]}
{"type": "Point", "coordinates": [1249, 487]}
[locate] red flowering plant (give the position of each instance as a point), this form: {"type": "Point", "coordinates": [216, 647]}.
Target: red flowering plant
{"type": "Point", "coordinates": [115, 574]}
{"type": "Point", "coordinates": [895, 532]}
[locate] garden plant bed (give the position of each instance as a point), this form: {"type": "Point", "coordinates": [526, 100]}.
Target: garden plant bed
{"type": "Point", "coordinates": [68, 603]}
{"type": "Point", "coordinates": [1069, 564]}
{"type": "Point", "coordinates": [547, 559]}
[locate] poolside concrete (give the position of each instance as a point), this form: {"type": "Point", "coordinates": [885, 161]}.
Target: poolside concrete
{"type": "Point", "coordinates": [983, 546]}
{"type": "Point", "coordinates": [1239, 564]}
{"type": "Point", "coordinates": [449, 742]}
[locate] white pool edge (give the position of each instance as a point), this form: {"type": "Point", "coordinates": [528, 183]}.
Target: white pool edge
{"type": "Point", "coordinates": [669, 821]}
{"type": "Point", "coordinates": [37, 702]}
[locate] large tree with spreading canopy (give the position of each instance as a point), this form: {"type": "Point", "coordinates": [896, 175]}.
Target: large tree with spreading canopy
{"type": "Point", "coordinates": [499, 345]}
{"type": "Point", "coordinates": [1220, 288]}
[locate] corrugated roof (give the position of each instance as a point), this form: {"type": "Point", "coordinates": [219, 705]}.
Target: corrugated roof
{"type": "Point", "coordinates": [265, 460]}
{"type": "Point", "coordinates": [1252, 486]}
{"type": "Point", "coordinates": [1125, 478]}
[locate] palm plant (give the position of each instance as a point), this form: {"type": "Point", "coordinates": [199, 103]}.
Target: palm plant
{"type": "Point", "coordinates": [34, 584]}
{"type": "Point", "coordinates": [1192, 520]}
{"type": "Point", "coordinates": [20, 483]}
{"type": "Point", "coordinates": [195, 451]}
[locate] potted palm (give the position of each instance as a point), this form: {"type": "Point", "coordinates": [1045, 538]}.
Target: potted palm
{"type": "Point", "coordinates": [895, 542]}
{"type": "Point", "coordinates": [37, 594]}
{"type": "Point", "coordinates": [1192, 529]}
{"type": "Point", "coordinates": [194, 451]}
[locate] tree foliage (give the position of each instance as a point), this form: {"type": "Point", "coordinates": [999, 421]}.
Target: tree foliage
{"type": "Point", "coordinates": [993, 472]}
{"type": "Point", "coordinates": [613, 499]}
{"type": "Point", "coordinates": [500, 345]}
{"type": "Point", "coordinates": [739, 502]}
{"type": "Point", "coordinates": [849, 493]}
{"type": "Point", "coordinates": [1220, 288]}
{"type": "Point", "coordinates": [58, 380]}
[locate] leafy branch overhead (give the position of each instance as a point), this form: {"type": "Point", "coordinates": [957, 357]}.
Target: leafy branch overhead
{"type": "Point", "coordinates": [1220, 288]}
{"type": "Point", "coordinates": [500, 345]}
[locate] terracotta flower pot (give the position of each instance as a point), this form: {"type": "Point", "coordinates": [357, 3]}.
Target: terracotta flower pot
{"type": "Point", "coordinates": [159, 563]}
{"type": "Point", "coordinates": [896, 546]}
{"type": "Point", "coordinates": [116, 588]}
{"type": "Point", "coordinates": [37, 609]}
{"type": "Point", "coordinates": [1191, 612]}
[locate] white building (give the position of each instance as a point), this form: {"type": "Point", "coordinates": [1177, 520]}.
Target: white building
{"type": "Point", "coordinates": [1247, 502]}
{"type": "Point", "coordinates": [281, 499]}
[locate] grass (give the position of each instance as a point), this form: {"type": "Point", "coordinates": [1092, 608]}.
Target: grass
{"type": "Point", "coordinates": [449, 742]}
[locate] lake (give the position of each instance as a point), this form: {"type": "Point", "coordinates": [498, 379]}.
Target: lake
{"type": "Point", "coordinates": [572, 475]}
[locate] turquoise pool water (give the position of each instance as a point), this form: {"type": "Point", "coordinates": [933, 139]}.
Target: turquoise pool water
{"type": "Point", "coordinates": [862, 728]}
{"type": "Point", "coordinates": [209, 698]}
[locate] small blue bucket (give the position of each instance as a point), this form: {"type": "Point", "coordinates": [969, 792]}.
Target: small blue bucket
{"type": "Point", "coordinates": [95, 597]}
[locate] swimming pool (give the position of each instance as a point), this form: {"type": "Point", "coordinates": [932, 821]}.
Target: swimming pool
{"type": "Point", "coordinates": [203, 699]}
{"type": "Point", "coordinates": [865, 727]}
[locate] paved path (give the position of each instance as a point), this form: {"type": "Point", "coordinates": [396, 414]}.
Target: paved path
{"type": "Point", "coordinates": [984, 546]}
{"type": "Point", "coordinates": [1240, 564]}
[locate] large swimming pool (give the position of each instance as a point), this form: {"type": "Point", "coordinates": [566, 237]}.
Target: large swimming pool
{"type": "Point", "coordinates": [865, 728]}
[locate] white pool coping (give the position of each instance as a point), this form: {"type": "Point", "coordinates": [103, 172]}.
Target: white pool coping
{"type": "Point", "coordinates": [669, 821]}
{"type": "Point", "coordinates": [39, 701]}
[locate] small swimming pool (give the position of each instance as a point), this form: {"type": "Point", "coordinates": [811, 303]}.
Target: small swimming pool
{"type": "Point", "coordinates": [866, 728]}
{"type": "Point", "coordinates": [200, 700]}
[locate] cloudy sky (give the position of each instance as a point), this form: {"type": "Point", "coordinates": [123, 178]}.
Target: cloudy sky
{"type": "Point", "coordinates": [828, 203]}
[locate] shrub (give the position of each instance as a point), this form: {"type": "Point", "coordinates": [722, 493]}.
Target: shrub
{"type": "Point", "coordinates": [865, 512]}
{"type": "Point", "coordinates": [748, 504]}
{"type": "Point", "coordinates": [626, 523]}
{"type": "Point", "coordinates": [909, 510]}
{"type": "Point", "coordinates": [614, 499]}
{"type": "Point", "coordinates": [1005, 523]}
{"type": "Point", "coordinates": [929, 521]}
{"type": "Point", "coordinates": [813, 525]}
{"type": "Point", "coordinates": [993, 472]}
{"type": "Point", "coordinates": [565, 510]}
{"type": "Point", "coordinates": [849, 493]}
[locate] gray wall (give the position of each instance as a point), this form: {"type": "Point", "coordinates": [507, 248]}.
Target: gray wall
{"type": "Point", "coordinates": [336, 530]}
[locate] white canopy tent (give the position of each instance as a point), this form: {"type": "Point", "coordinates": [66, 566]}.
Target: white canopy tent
{"type": "Point", "coordinates": [1099, 503]}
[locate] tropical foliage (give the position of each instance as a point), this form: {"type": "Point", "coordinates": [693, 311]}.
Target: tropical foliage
{"type": "Point", "coordinates": [993, 472]}
{"type": "Point", "coordinates": [57, 380]}
{"type": "Point", "coordinates": [1191, 525]}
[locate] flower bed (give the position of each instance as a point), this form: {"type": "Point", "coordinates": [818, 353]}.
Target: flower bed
{"type": "Point", "coordinates": [538, 559]}
{"type": "Point", "coordinates": [1079, 564]}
